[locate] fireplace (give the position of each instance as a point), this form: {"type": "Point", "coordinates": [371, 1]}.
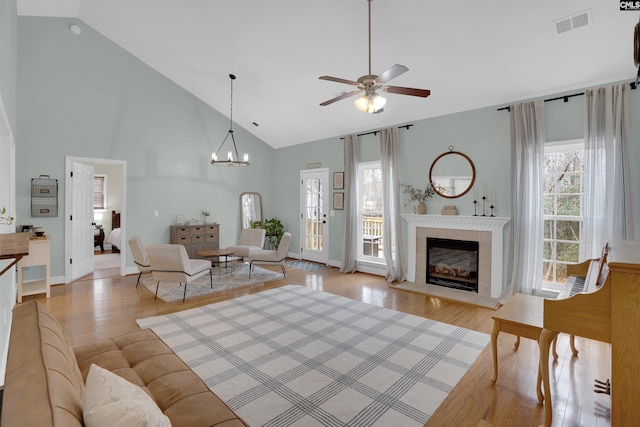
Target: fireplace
{"type": "Point", "coordinates": [487, 231]}
{"type": "Point", "coordinates": [453, 263]}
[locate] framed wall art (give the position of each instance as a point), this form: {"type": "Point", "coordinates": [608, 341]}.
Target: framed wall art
{"type": "Point", "coordinates": [338, 180]}
{"type": "Point", "coordinates": [338, 201]}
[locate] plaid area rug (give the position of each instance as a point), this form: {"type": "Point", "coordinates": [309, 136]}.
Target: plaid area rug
{"type": "Point", "coordinates": [170, 291]}
{"type": "Point", "coordinates": [294, 356]}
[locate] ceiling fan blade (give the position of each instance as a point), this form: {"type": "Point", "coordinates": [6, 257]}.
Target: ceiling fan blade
{"type": "Point", "coordinates": [391, 73]}
{"type": "Point", "coordinates": [423, 93]}
{"type": "Point", "coordinates": [339, 80]}
{"type": "Point", "coordinates": [343, 96]}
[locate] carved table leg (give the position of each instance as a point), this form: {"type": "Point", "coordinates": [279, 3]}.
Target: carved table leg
{"type": "Point", "coordinates": [494, 349]}
{"type": "Point", "coordinates": [546, 337]}
{"type": "Point", "coordinates": [572, 342]}
{"type": "Point", "coordinates": [516, 344]}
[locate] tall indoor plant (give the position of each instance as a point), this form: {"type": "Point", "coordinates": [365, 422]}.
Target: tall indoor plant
{"type": "Point", "coordinates": [273, 230]}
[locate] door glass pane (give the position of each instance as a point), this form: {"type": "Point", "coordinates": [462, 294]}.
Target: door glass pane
{"type": "Point", "coordinates": [314, 215]}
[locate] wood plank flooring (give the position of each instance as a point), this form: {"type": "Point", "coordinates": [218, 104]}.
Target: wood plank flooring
{"type": "Point", "coordinates": [102, 306]}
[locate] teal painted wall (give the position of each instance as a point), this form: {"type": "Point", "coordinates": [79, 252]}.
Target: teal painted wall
{"type": "Point", "coordinates": [85, 96]}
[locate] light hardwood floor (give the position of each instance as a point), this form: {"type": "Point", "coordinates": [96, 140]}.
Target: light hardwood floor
{"type": "Point", "coordinates": [101, 306]}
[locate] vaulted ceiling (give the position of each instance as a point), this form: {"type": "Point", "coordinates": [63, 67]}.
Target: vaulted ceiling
{"type": "Point", "coordinates": [470, 54]}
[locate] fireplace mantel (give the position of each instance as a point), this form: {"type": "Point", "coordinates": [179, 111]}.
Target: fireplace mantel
{"type": "Point", "coordinates": [493, 225]}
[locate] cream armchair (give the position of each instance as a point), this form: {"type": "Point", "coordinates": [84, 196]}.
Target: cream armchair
{"type": "Point", "coordinates": [170, 263]}
{"type": "Point", "coordinates": [140, 257]}
{"type": "Point", "coordinates": [271, 257]}
{"type": "Point", "coordinates": [250, 239]}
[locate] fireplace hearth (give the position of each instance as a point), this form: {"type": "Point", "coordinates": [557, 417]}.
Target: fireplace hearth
{"type": "Point", "coordinates": [452, 263]}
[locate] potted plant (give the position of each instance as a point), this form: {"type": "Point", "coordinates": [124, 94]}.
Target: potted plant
{"type": "Point", "coordinates": [419, 195]}
{"type": "Point", "coordinates": [273, 230]}
{"type": "Point", "coordinates": [205, 216]}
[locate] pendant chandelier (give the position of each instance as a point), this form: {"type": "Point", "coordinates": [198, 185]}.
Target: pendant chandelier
{"type": "Point", "coordinates": [229, 161]}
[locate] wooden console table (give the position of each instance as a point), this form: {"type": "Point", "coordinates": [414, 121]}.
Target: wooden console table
{"type": "Point", "coordinates": [13, 246]}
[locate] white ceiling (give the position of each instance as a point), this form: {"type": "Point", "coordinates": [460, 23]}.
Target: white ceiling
{"type": "Point", "coordinates": [470, 54]}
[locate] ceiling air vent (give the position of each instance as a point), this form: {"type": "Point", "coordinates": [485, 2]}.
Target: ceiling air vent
{"type": "Point", "coordinates": [580, 19]}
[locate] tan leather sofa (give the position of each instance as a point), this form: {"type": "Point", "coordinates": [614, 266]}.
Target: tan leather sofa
{"type": "Point", "coordinates": [45, 376]}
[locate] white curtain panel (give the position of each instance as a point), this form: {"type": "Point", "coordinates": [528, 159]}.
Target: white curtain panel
{"type": "Point", "coordinates": [527, 155]}
{"type": "Point", "coordinates": [391, 220]}
{"type": "Point", "coordinates": [608, 204]}
{"type": "Point", "coordinates": [350, 213]}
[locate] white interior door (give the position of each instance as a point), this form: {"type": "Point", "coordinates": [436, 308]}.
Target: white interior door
{"type": "Point", "coordinates": [81, 220]}
{"type": "Point", "coordinates": [314, 227]}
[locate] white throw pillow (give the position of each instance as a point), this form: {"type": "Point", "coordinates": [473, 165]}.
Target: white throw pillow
{"type": "Point", "coordinates": [109, 400]}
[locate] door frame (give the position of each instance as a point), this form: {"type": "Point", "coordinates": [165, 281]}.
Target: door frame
{"type": "Point", "coordinates": [68, 240]}
{"type": "Point", "coordinates": [327, 209]}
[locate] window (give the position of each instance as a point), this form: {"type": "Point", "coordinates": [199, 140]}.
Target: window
{"type": "Point", "coordinates": [99, 192]}
{"type": "Point", "coordinates": [563, 190]}
{"type": "Point", "coordinates": [370, 211]}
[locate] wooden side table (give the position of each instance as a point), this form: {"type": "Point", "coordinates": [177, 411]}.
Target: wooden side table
{"type": "Point", "coordinates": [39, 254]}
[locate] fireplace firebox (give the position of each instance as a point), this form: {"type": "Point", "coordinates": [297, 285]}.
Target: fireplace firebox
{"type": "Point", "coordinates": [453, 263]}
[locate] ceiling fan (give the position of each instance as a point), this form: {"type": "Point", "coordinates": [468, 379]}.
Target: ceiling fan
{"type": "Point", "coordinates": [371, 102]}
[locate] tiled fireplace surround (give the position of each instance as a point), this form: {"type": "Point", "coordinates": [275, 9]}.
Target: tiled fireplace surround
{"type": "Point", "coordinates": [487, 231]}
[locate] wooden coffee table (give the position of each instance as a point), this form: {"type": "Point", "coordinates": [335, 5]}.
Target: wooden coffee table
{"type": "Point", "coordinates": [218, 257]}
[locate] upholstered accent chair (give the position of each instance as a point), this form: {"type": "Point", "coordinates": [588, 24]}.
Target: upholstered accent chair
{"type": "Point", "coordinates": [140, 257]}
{"type": "Point", "coordinates": [250, 238]}
{"type": "Point", "coordinates": [271, 257]}
{"type": "Point", "coordinates": [170, 263]}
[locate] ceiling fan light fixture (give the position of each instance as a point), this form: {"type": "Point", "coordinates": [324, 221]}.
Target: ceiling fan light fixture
{"type": "Point", "coordinates": [370, 103]}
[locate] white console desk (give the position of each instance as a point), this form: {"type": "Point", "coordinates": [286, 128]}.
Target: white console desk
{"type": "Point", "coordinates": [39, 254]}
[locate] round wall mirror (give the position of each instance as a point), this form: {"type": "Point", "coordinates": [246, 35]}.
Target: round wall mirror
{"type": "Point", "coordinates": [452, 174]}
{"type": "Point", "coordinates": [250, 208]}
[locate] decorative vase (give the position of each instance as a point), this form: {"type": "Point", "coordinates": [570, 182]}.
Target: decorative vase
{"type": "Point", "coordinates": [422, 207]}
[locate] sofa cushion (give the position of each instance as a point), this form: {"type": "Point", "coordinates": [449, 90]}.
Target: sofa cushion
{"type": "Point", "coordinates": [109, 400]}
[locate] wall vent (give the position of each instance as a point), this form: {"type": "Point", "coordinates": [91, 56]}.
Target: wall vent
{"type": "Point", "coordinates": [580, 19]}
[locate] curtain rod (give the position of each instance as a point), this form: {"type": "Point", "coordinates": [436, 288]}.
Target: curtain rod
{"type": "Point", "coordinates": [375, 132]}
{"type": "Point", "coordinates": [566, 97]}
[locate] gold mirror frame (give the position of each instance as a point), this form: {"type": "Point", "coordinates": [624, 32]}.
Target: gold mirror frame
{"type": "Point", "coordinates": [452, 181]}
{"type": "Point", "coordinates": [250, 209]}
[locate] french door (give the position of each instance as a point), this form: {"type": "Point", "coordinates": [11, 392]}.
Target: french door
{"type": "Point", "coordinates": [314, 227]}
